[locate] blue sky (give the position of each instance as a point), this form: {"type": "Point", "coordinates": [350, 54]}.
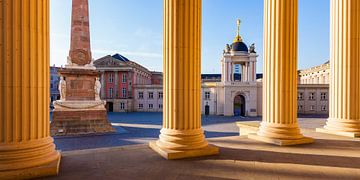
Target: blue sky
{"type": "Point", "coordinates": [133, 28]}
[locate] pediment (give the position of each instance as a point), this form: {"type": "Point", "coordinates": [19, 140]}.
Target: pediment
{"type": "Point", "coordinates": [109, 61]}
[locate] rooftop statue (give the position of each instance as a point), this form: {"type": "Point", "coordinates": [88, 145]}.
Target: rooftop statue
{"type": "Point", "coordinates": [252, 48]}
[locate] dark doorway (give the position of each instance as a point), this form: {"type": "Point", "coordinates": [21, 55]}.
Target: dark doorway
{"type": "Point", "coordinates": [239, 105]}
{"type": "Point", "coordinates": [110, 106]}
{"type": "Point", "coordinates": [207, 110]}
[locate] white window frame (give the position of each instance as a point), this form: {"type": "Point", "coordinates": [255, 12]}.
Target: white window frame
{"type": "Point", "coordinates": [312, 108]}
{"type": "Point", "coordinates": [323, 96]}
{"type": "Point", "coordinates": [160, 95]}
{"type": "Point", "coordinates": [300, 107]}
{"type": "Point", "coordinates": [123, 78]}
{"type": "Point", "coordinates": [207, 95]}
{"type": "Point", "coordinates": [151, 106]}
{"type": "Point", "coordinates": [323, 108]}
{"type": "Point", "coordinates": [151, 95]}
{"type": "Point", "coordinates": [312, 96]}
{"type": "Point", "coordinates": [300, 96]}
{"type": "Point", "coordinates": [122, 106]}
{"type": "Point", "coordinates": [111, 92]}
{"type": "Point", "coordinates": [160, 106]}
{"type": "Point", "coordinates": [141, 95]}
{"type": "Point", "coordinates": [141, 106]}
{"type": "Point", "coordinates": [124, 92]}
{"type": "Point", "coordinates": [111, 77]}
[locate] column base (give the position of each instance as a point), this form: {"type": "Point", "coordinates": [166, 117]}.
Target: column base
{"type": "Point", "coordinates": [177, 154]}
{"type": "Point", "coordinates": [281, 142]}
{"type": "Point", "coordinates": [339, 133]}
{"type": "Point", "coordinates": [48, 169]}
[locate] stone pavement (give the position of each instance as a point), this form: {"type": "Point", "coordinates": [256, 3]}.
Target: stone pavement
{"type": "Point", "coordinates": [142, 127]}
{"type": "Point", "coordinates": [330, 157]}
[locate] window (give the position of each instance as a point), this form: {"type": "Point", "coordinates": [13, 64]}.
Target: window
{"type": "Point", "coordinates": [312, 108]}
{"type": "Point", "coordinates": [300, 107]}
{"type": "Point", "coordinates": [151, 95]}
{"type": "Point", "coordinates": [51, 78]}
{"type": "Point", "coordinates": [312, 96]}
{"type": "Point", "coordinates": [141, 95]}
{"type": "Point", "coordinates": [141, 106]}
{"type": "Point", "coordinates": [323, 108]}
{"type": "Point", "coordinates": [124, 92]}
{"type": "Point", "coordinates": [151, 106]}
{"type": "Point", "coordinates": [323, 96]}
{"type": "Point", "coordinates": [161, 95]}
{"type": "Point", "coordinates": [160, 106]}
{"type": "Point", "coordinates": [111, 92]}
{"type": "Point", "coordinates": [111, 77]}
{"type": "Point", "coordinates": [51, 86]}
{"type": "Point", "coordinates": [122, 105]}
{"type": "Point", "coordinates": [300, 96]}
{"type": "Point", "coordinates": [207, 95]}
{"type": "Point", "coordinates": [124, 78]}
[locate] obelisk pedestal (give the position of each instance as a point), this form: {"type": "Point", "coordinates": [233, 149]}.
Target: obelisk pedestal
{"type": "Point", "coordinates": [80, 110]}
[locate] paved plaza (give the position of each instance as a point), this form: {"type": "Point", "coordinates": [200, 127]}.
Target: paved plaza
{"type": "Point", "coordinates": [139, 128]}
{"type": "Point", "coordinates": [330, 157]}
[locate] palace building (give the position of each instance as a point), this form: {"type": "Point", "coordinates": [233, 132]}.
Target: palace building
{"type": "Point", "coordinates": [130, 87]}
{"type": "Point", "coordinates": [28, 150]}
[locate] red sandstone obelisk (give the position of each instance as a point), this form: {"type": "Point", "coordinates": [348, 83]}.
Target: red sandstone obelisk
{"type": "Point", "coordinates": [80, 109]}
{"type": "Point", "coordinates": [80, 52]}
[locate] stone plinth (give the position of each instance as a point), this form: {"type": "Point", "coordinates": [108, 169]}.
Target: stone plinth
{"type": "Point", "coordinates": [79, 113]}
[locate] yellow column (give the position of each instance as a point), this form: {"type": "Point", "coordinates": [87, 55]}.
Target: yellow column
{"type": "Point", "coordinates": [279, 125]}
{"type": "Point", "coordinates": [26, 149]}
{"type": "Point", "coordinates": [344, 105]}
{"type": "Point", "coordinates": [182, 135]}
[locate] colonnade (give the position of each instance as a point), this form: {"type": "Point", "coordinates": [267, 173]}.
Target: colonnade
{"type": "Point", "coordinates": [27, 150]}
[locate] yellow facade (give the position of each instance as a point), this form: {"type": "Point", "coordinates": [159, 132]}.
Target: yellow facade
{"type": "Point", "coordinates": [26, 148]}
{"type": "Point", "coordinates": [344, 105]}
{"type": "Point", "coordinates": [182, 135]}
{"type": "Point", "coordinates": [279, 125]}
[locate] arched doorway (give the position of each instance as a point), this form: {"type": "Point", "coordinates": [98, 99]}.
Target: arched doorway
{"type": "Point", "coordinates": [239, 105]}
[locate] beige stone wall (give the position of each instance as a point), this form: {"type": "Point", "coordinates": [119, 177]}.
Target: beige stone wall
{"type": "Point", "coordinates": [319, 104]}
{"type": "Point", "coordinates": [145, 101]}
{"type": "Point", "coordinates": [221, 98]}
{"type": "Point", "coordinates": [315, 75]}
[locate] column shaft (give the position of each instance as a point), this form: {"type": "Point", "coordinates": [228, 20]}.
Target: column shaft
{"type": "Point", "coordinates": [279, 125]}
{"type": "Point", "coordinates": [26, 148]}
{"type": "Point", "coordinates": [182, 135]}
{"type": "Point", "coordinates": [344, 97]}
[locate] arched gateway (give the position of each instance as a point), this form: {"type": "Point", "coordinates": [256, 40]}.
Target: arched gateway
{"type": "Point", "coordinates": [239, 105]}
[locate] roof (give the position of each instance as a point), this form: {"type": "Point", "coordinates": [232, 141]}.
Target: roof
{"type": "Point", "coordinates": [239, 46]}
{"type": "Point", "coordinates": [120, 57]}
